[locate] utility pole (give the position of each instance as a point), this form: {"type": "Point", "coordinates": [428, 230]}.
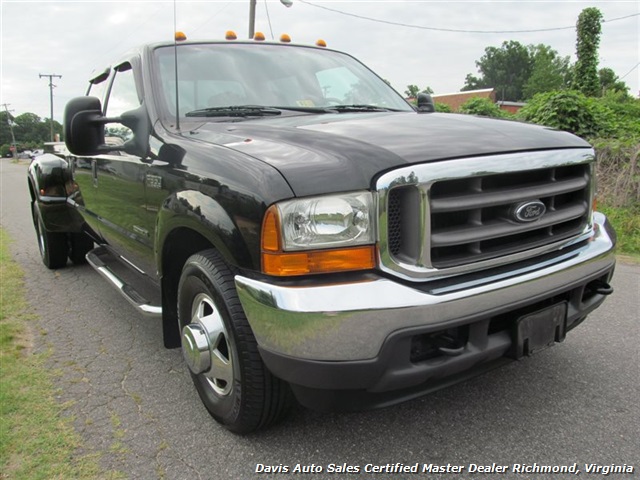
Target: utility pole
{"type": "Point", "coordinates": [51, 85]}
{"type": "Point", "coordinates": [14, 147]}
{"type": "Point", "coordinates": [252, 18]}
{"type": "Point", "coordinates": [252, 15]}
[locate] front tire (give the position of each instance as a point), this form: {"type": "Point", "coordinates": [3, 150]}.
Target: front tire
{"type": "Point", "coordinates": [53, 246]}
{"type": "Point", "coordinates": [221, 351]}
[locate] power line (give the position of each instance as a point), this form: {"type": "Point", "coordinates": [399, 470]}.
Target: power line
{"type": "Point", "coordinates": [268, 18]}
{"type": "Point", "coordinates": [450, 30]}
{"type": "Point", "coordinates": [634, 67]}
{"type": "Point", "coordinates": [209, 18]}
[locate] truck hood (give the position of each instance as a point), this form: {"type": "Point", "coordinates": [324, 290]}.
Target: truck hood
{"type": "Point", "coordinates": [344, 152]}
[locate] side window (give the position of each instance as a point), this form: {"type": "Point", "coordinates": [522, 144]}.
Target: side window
{"type": "Point", "coordinates": [123, 97]}
{"type": "Point", "coordinates": [98, 90]}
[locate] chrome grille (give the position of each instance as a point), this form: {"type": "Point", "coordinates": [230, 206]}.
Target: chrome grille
{"type": "Point", "coordinates": [472, 220]}
{"type": "Point", "coordinates": [458, 215]}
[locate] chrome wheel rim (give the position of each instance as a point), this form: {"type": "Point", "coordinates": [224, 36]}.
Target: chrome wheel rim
{"type": "Point", "coordinates": [206, 346]}
{"type": "Point", "coordinates": [41, 244]}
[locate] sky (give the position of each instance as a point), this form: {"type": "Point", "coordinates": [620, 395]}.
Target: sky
{"type": "Point", "coordinates": [406, 42]}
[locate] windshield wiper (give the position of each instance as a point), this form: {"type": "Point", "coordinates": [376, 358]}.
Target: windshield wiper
{"type": "Point", "coordinates": [234, 111]}
{"type": "Point", "coordinates": [362, 108]}
{"type": "Point", "coordinates": [308, 109]}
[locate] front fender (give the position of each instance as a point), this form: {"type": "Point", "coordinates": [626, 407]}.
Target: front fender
{"type": "Point", "coordinates": [236, 238]}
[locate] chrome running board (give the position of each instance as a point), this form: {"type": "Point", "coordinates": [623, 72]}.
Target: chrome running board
{"type": "Point", "coordinates": [131, 294]}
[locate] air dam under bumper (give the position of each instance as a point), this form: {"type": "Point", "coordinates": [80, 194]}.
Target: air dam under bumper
{"type": "Point", "coordinates": [351, 345]}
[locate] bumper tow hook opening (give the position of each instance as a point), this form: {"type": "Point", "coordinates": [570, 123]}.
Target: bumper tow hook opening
{"type": "Point", "coordinates": [451, 352]}
{"type": "Point", "coordinates": [449, 346]}
{"type": "Point", "coordinates": [600, 287]}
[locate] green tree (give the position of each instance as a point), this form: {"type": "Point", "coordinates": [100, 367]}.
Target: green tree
{"type": "Point", "coordinates": [609, 82]}
{"type": "Point", "coordinates": [588, 31]}
{"type": "Point", "coordinates": [506, 69]}
{"type": "Point", "coordinates": [28, 127]}
{"type": "Point", "coordinates": [549, 71]}
{"type": "Point", "coordinates": [471, 82]}
{"type": "Point", "coordinates": [5, 129]}
{"type": "Point", "coordinates": [414, 90]}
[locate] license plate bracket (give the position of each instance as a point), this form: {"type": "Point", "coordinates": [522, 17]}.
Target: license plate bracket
{"type": "Point", "coordinates": [539, 330]}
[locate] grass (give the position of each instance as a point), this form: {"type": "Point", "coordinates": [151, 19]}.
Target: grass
{"type": "Point", "coordinates": [36, 441]}
{"type": "Point", "coordinates": [626, 221]}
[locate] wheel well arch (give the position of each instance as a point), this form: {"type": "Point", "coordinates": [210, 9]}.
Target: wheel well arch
{"type": "Point", "coordinates": [32, 189]}
{"type": "Point", "coordinates": [178, 246]}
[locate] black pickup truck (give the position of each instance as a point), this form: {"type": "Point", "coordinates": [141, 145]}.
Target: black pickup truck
{"type": "Point", "coordinates": [303, 232]}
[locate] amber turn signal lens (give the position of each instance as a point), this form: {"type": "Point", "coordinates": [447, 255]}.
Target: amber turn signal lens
{"type": "Point", "coordinates": [275, 261]}
{"type": "Point", "coordinates": [319, 261]}
{"type": "Point", "coordinates": [271, 230]}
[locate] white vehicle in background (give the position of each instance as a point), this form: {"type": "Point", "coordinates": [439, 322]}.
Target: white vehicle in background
{"type": "Point", "coordinates": [56, 148]}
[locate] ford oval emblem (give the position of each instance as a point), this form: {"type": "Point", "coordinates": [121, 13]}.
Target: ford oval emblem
{"type": "Point", "coordinates": [529, 211]}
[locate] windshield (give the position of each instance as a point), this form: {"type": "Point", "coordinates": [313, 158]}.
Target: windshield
{"type": "Point", "coordinates": [302, 79]}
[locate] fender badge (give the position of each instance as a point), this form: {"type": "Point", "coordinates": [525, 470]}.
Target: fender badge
{"type": "Point", "coordinates": [528, 211]}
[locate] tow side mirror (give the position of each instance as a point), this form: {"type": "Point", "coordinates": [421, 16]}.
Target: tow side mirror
{"type": "Point", "coordinates": [138, 121]}
{"type": "Point", "coordinates": [84, 128]}
{"type": "Point", "coordinates": [425, 103]}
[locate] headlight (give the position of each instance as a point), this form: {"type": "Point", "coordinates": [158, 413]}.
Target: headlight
{"type": "Point", "coordinates": [331, 233]}
{"type": "Point", "coordinates": [326, 222]}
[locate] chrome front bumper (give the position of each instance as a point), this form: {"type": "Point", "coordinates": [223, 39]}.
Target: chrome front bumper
{"type": "Point", "coordinates": [351, 321]}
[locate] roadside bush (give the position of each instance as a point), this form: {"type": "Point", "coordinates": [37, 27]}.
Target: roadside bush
{"type": "Point", "coordinates": [442, 108]}
{"type": "Point", "coordinates": [618, 172]}
{"type": "Point", "coordinates": [571, 111]}
{"type": "Point", "coordinates": [483, 107]}
{"type": "Point", "coordinates": [627, 114]}
{"type": "Point", "coordinates": [618, 176]}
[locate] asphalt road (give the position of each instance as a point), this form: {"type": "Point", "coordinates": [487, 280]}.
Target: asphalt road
{"type": "Point", "coordinates": [133, 401]}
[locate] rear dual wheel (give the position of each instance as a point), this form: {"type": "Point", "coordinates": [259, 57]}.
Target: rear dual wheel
{"type": "Point", "coordinates": [53, 246]}
{"type": "Point", "coordinates": [221, 351]}
{"type": "Point", "coordinates": [56, 247]}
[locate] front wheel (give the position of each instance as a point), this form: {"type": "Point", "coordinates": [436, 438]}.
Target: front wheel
{"type": "Point", "coordinates": [221, 351]}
